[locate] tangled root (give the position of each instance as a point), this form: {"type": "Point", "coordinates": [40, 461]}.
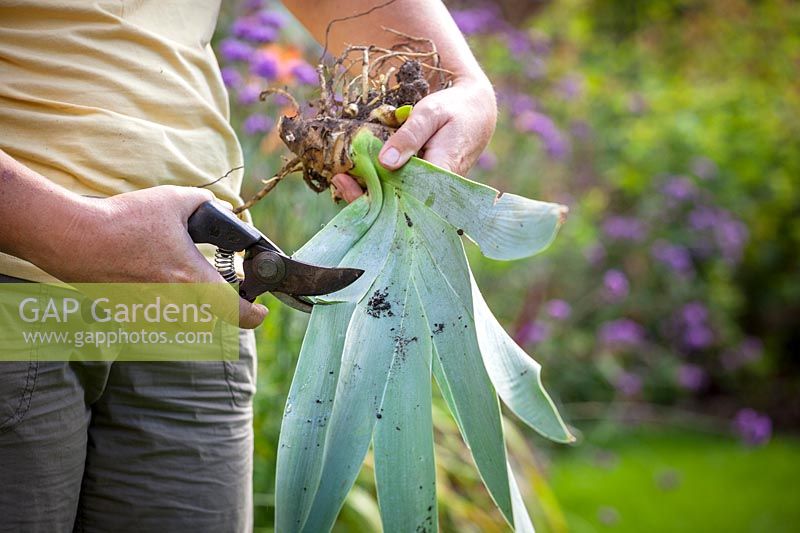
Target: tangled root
{"type": "Point", "coordinates": [363, 87]}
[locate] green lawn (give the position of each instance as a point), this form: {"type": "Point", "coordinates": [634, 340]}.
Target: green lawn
{"type": "Point", "coordinates": [651, 481]}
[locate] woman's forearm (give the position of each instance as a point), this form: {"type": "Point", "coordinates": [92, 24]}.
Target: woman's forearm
{"type": "Point", "coordinates": [36, 214]}
{"type": "Point", "coordinates": [420, 18]}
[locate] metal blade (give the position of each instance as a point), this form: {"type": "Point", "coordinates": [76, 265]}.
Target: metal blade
{"type": "Point", "coordinates": [301, 303]}
{"type": "Point", "coordinates": [302, 279]}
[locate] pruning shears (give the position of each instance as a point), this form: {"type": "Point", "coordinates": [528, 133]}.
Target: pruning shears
{"type": "Point", "coordinates": [266, 267]}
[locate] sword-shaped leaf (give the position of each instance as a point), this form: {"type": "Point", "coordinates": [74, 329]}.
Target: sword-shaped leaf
{"type": "Point", "coordinates": [405, 472]}
{"type": "Point", "coordinates": [304, 426]}
{"type": "Point", "coordinates": [417, 297]}
{"type": "Point", "coordinates": [367, 356]}
{"type": "Point", "coordinates": [329, 246]}
{"type": "Point", "coordinates": [370, 253]}
{"type": "Point", "coordinates": [504, 226]}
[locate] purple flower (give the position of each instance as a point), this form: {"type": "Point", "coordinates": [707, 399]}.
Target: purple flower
{"type": "Point", "coordinates": [487, 160]}
{"type": "Point", "coordinates": [703, 168]}
{"type": "Point", "coordinates": [541, 44]}
{"type": "Point", "coordinates": [580, 129]}
{"type": "Point", "coordinates": [263, 34]}
{"type": "Point", "coordinates": [534, 122]}
{"type": "Point", "coordinates": [305, 73]}
{"type": "Point", "coordinates": [751, 349]}
{"type": "Point", "coordinates": [476, 20]}
{"type": "Point", "coordinates": [233, 50]}
{"type": "Point", "coordinates": [595, 254]}
{"type": "Point", "coordinates": [702, 218]}
{"type": "Point", "coordinates": [517, 103]}
{"type": "Point", "coordinates": [622, 332]}
{"type": "Point", "coordinates": [694, 313]}
{"type": "Point", "coordinates": [616, 284]}
{"type": "Point", "coordinates": [698, 337]}
{"type": "Point", "coordinates": [691, 377]}
{"type": "Point", "coordinates": [533, 333]}
{"type": "Point", "coordinates": [554, 141]}
{"type": "Point", "coordinates": [271, 18]}
{"type": "Point", "coordinates": [248, 94]}
{"type": "Point", "coordinates": [729, 233]}
{"type": "Point", "coordinates": [731, 236]}
{"type": "Point", "coordinates": [624, 228]}
{"type": "Point", "coordinates": [251, 29]}
{"type": "Point", "coordinates": [696, 333]}
{"type": "Point", "coordinates": [752, 427]}
{"type": "Point", "coordinates": [535, 68]}
{"type": "Point", "coordinates": [519, 43]}
{"type": "Point", "coordinates": [679, 188]}
{"type": "Point", "coordinates": [570, 87]}
{"type": "Point", "coordinates": [558, 309]}
{"type": "Point", "coordinates": [231, 77]}
{"type": "Point", "coordinates": [257, 124]}
{"type": "Point", "coordinates": [674, 256]}
{"type": "Point", "coordinates": [628, 384]}
{"type": "Point", "coordinates": [264, 65]}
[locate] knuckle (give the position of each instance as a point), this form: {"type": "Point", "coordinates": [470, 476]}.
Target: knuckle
{"type": "Point", "coordinates": [431, 106]}
{"type": "Point", "coordinates": [181, 276]}
{"type": "Point", "coordinates": [407, 137]}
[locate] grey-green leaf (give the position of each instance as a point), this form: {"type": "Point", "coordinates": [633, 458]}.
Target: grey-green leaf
{"type": "Point", "coordinates": [463, 377]}
{"type": "Point", "coordinates": [505, 226]}
{"type": "Point", "coordinates": [300, 450]}
{"type": "Point", "coordinates": [370, 252]}
{"type": "Point", "coordinates": [366, 358]}
{"type": "Point", "coordinates": [515, 375]}
{"type": "Point", "coordinates": [405, 472]}
{"type": "Point", "coordinates": [415, 309]}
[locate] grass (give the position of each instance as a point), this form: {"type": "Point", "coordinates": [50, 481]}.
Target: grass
{"type": "Point", "coordinates": [666, 480]}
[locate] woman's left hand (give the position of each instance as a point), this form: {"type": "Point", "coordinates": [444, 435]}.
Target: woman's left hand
{"type": "Point", "coordinates": [449, 128]}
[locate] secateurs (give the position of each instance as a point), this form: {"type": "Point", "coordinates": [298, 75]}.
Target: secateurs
{"type": "Point", "coordinates": [266, 267]}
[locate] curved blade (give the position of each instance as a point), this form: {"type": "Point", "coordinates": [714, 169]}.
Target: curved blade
{"type": "Point", "coordinates": [302, 279]}
{"type": "Point", "coordinates": [301, 303]}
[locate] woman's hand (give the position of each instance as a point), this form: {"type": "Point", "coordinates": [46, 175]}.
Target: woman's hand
{"type": "Point", "coordinates": [138, 236]}
{"type": "Point", "coordinates": [449, 128]}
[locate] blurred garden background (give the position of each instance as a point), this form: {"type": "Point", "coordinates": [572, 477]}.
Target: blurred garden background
{"type": "Point", "coordinates": [666, 314]}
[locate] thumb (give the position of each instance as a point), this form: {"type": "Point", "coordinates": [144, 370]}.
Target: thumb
{"type": "Point", "coordinates": [426, 118]}
{"type": "Point", "coordinates": [188, 199]}
{"type": "Point", "coordinates": [251, 315]}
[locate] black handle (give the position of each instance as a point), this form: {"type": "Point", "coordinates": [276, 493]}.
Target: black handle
{"type": "Point", "coordinates": [213, 223]}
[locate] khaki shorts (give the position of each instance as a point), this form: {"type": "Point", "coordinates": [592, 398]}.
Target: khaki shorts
{"type": "Point", "coordinates": [114, 447]}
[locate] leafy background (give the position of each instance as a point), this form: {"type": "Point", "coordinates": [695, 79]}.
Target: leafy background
{"type": "Point", "coordinates": [667, 313]}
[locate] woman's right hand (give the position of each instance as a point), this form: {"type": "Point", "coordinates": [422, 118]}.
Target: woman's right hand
{"type": "Point", "coordinates": [138, 236]}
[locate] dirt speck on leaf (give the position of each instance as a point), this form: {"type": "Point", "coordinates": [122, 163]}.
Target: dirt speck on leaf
{"type": "Point", "coordinates": [400, 346]}
{"type": "Point", "coordinates": [378, 305]}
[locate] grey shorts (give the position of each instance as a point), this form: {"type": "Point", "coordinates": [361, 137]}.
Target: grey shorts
{"type": "Point", "coordinates": [113, 447]}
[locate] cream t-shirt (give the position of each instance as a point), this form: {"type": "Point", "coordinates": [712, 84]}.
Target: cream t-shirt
{"type": "Point", "coordinates": [105, 97]}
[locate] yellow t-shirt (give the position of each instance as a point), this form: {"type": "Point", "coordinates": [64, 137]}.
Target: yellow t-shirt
{"type": "Point", "coordinates": [105, 97]}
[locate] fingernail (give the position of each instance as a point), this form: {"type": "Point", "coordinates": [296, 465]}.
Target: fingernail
{"type": "Point", "coordinates": [390, 157]}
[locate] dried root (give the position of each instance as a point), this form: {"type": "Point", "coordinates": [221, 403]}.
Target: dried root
{"type": "Point", "coordinates": [289, 167]}
{"type": "Point", "coordinates": [365, 87]}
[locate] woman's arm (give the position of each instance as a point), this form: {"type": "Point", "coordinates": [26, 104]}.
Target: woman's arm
{"type": "Point", "coordinates": [139, 236]}
{"type": "Point", "coordinates": [452, 126]}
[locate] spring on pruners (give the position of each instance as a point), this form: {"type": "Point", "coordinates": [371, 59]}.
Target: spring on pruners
{"type": "Point", "coordinates": [223, 261]}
